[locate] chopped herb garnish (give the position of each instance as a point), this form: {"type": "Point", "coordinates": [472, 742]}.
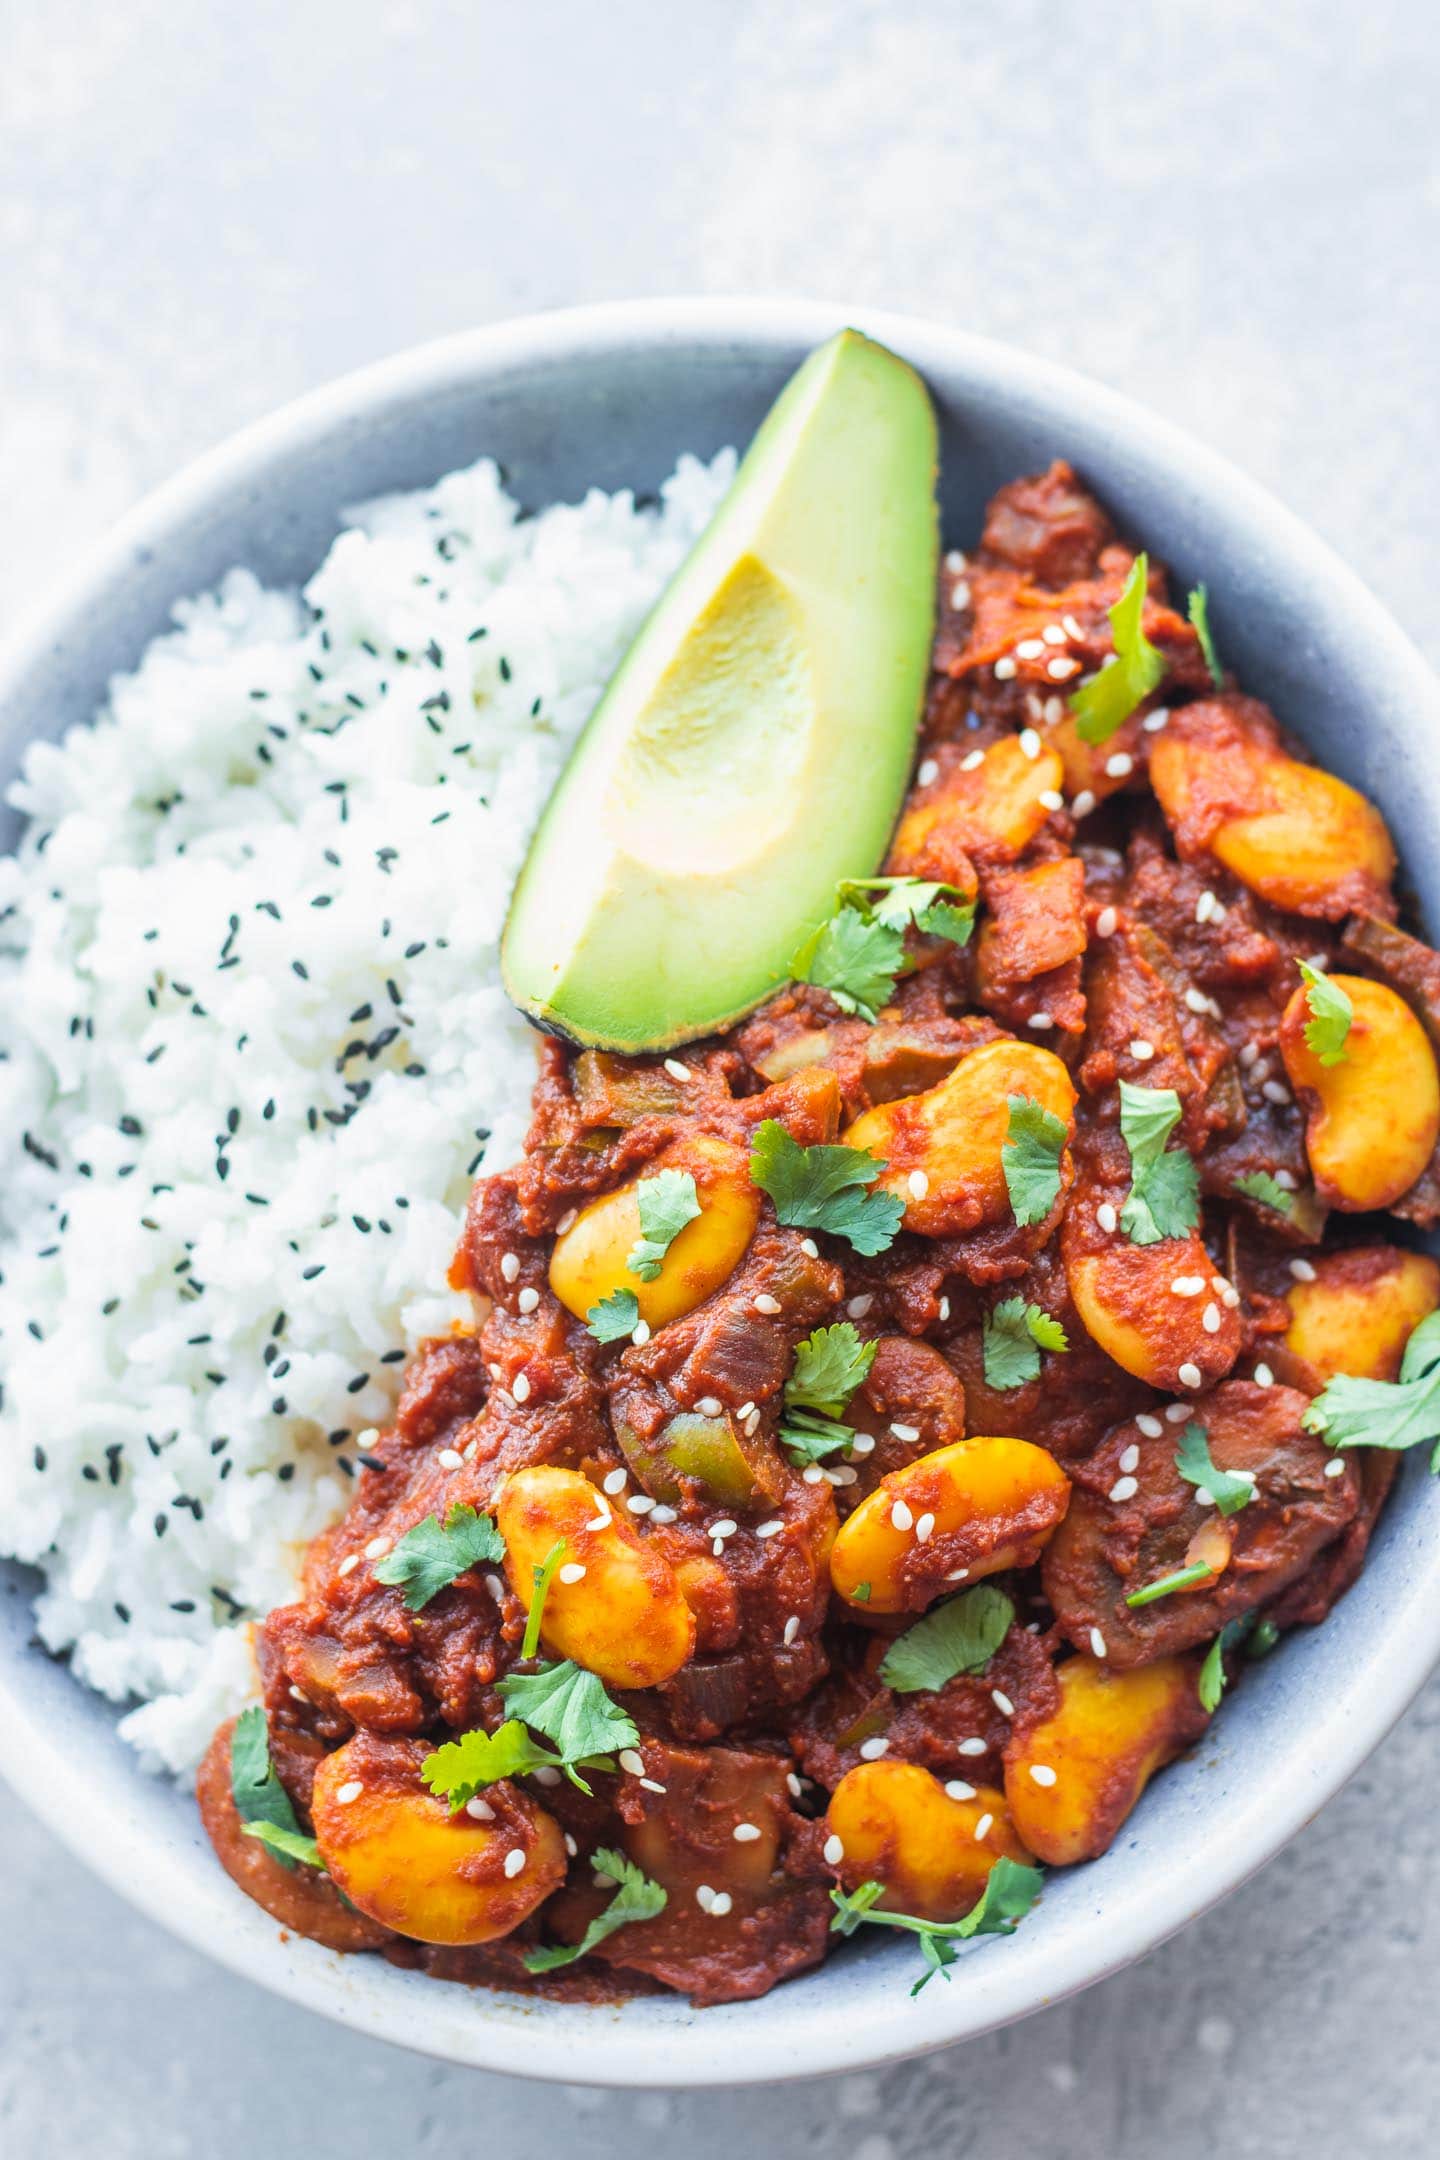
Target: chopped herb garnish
{"type": "Point", "coordinates": [1229, 1489]}
{"type": "Point", "coordinates": [1197, 608]}
{"type": "Point", "coordinates": [614, 1317]}
{"type": "Point", "coordinates": [461, 1768]}
{"type": "Point", "coordinates": [808, 1438]}
{"type": "Point", "coordinates": [829, 1365]}
{"type": "Point", "coordinates": [821, 1188]}
{"type": "Point", "coordinates": [1394, 1414]}
{"type": "Point", "coordinates": [1164, 1197]}
{"type": "Point", "coordinates": [542, 1576]}
{"type": "Point", "coordinates": [430, 1556]}
{"type": "Point", "coordinates": [288, 1846]}
{"type": "Point", "coordinates": [261, 1801]}
{"type": "Point", "coordinates": [1014, 1335]}
{"type": "Point", "coordinates": [860, 1595]}
{"type": "Point", "coordinates": [1331, 1013]}
{"type": "Point", "coordinates": [636, 1898]}
{"type": "Point", "coordinates": [1030, 1158]}
{"type": "Point", "coordinates": [1010, 1891]}
{"type": "Point", "coordinates": [960, 1636]}
{"type": "Point", "coordinates": [860, 951]}
{"type": "Point", "coordinates": [1106, 702]}
{"type": "Point", "coordinates": [667, 1202]}
{"type": "Point", "coordinates": [571, 1708]}
{"type": "Point", "coordinates": [1259, 1185]}
{"type": "Point", "coordinates": [1211, 1684]}
{"type": "Point", "coordinates": [1185, 1578]}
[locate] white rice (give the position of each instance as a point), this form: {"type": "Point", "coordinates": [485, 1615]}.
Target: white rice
{"type": "Point", "coordinates": [295, 827]}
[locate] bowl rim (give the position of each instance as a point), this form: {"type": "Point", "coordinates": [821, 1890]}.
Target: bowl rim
{"type": "Point", "coordinates": [544, 2039]}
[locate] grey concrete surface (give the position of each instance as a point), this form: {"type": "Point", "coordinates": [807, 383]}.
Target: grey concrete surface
{"type": "Point", "coordinates": [1231, 211]}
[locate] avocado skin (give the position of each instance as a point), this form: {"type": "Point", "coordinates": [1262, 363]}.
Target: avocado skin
{"type": "Point", "coordinates": [754, 745]}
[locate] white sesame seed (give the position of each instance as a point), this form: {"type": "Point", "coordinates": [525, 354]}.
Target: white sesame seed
{"type": "Point", "coordinates": [704, 1897]}
{"type": "Point", "coordinates": [639, 1503]}
{"type": "Point", "coordinates": [843, 1476]}
{"type": "Point", "coordinates": [1187, 1286]}
{"type": "Point", "coordinates": [766, 1304]}
{"type": "Point", "coordinates": [514, 1863]}
{"type": "Point", "coordinates": [573, 1571]}
{"type": "Point", "coordinates": [1177, 1412]}
{"type": "Point", "coordinates": [745, 1409]}
{"type": "Point", "coordinates": [957, 1789]}
{"type": "Point", "coordinates": [479, 1810]}
{"type": "Point", "coordinates": [973, 1747]}
{"type": "Point", "coordinates": [632, 1760]}
{"type": "Point", "coordinates": [494, 1371]}
{"type": "Point", "coordinates": [957, 1574]}
{"type": "Point", "coordinates": [1120, 766]}
{"type": "Point", "coordinates": [919, 1185]}
{"type": "Point", "coordinates": [1130, 1460]}
{"type": "Point", "coordinates": [351, 1560]}
{"type": "Point", "coordinates": [472, 1449]}
{"type": "Point", "coordinates": [960, 594]}
{"type": "Point", "coordinates": [653, 1785]}
{"type": "Point", "coordinates": [1042, 1773]}
{"type": "Point", "coordinates": [863, 1444]}
{"type": "Point", "coordinates": [298, 1695]}
{"type": "Point", "coordinates": [1002, 1702]}
{"type": "Point", "coordinates": [616, 1481]}
{"type": "Point", "coordinates": [495, 1584]}
{"type": "Point", "coordinates": [1275, 1091]}
{"type": "Point", "coordinates": [354, 1788]}
{"type": "Point", "coordinates": [872, 1750]}
{"type": "Point", "coordinates": [769, 1529]}
{"type": "Point", "coordinates": [545, 1775]}
{"type": "Point", "coordinates": [602, 1521]}
{"type": "Point", "coordinates": [677, 1071]}
{"type": "Point", "coordinates": [1210, 1319]}
{"type": "Point", "coordinates": [449, 1460]}
{"type": "Point", "coordinates": [1097, 1643]}
{"type": "Point", "coordinates": [814, 1475]}
{"type": "Point", "coordinates": [1054, 633]}
{"type": "Point", "coordinates": [567, 1221]}
{"type": "Point", "coordinates": [1287, 1181]}
{"type": "Point", "coordinates": [905, 1432]}
{"type": "Point", "coordinates": [955, 562]}
{"type": "Point", "coordinates": [1030, 648]}
{"type": "Point", "coordinates": [1196, 1001]}
{"type": "Point", "coordinates": [983, 1828]}
{"type": "Point", "coordinates": [1106, 922]}
{"type": "Point", "coordinates": [509, 1265]}
{"type": "Point", "coordinates": [972, 761]}
{"type": "Point", "coordinates": [1335, 1467]}
{"type": "Point", "coordinates": [792, 1628]}
{"type": "Point", "coordinates": [1082, 804]}
{"type": "Point", "coordinates": [1004, 669]}
{"type": "Point", "coordinates": [663, 1514]}
{"type": "Point", "coordinates": [1050, 799]}
{"type": "Point", "coordinates": [1190, 1374]}
{"type": "Point", "coordinates": [708, 1406]}
{"type": "Point", "coordinates": [924, 1529]}
{"type": "Point", "coordinates": [720, 1904]}
{"type": "Point", "coordinates": [1204, 1497]}
{"type": "Point", "coordinates": [1107, 1218]}
{"type": "Point", "coordinates": [834, 1850]}
{"type": "Point", "coordinates": [1040, 1021]}
{"type": "Point", "coordinates": [1061, 668]}
{"type": "Point", "coordinates": [746, 1833]}
{"type": "Point", "coordinates": [376, 1547]}
{"type": "Point", "coordinates": [751, 1424]}
{"type": "Point", "coordinates": [528, 1300]}
{"type": "Point", "coordinates": [726, 1527]}
{"type": "Point", "coordinates": [859, 1306]}
{"type": "Point", "coordinates": [901, 1516]}
{"type": "Point", "coordinates": [793, 1785]}
{"type": "Point", "coordinates": [1302, 1271]}
{"type": "Point", "coordinates": [1124, 1488]}
{"type": "Point", "coordinates": [1155, 723]}
{"type": "Point", "coordinates": [944, 1308]}
{"type": "Point", "coordinates": [1263, 1376]}
{"type": "Point", "coordinates": [520, 1387]}
{"type": "Point", "coordinates": [1205, 906]}
{"type": "Point", "coordinates": [1141, 1050]}
{"type": "Point", "coordinates": [929, 770]}
{"type": "Point", "coordinates": [1030, 743]}
{"type": "Point", "coordinates": [1152, 1429]}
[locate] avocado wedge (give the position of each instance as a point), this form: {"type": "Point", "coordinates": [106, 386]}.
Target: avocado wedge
{"type": "Point", "coordinates": [754, 744]}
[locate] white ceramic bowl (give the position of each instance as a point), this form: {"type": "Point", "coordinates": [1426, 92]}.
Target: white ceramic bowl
{"type": "Point", "coordinates": [609, 396]}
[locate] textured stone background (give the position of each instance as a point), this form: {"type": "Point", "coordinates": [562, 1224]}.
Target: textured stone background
{"type": "Point", "coordinates": [1230, 210]}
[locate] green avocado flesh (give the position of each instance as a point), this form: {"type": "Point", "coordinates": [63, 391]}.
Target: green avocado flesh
{"type": "Point", "coordinates": [754, 744]}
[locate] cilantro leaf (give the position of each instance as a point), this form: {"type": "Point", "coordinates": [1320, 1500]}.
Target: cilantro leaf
{"type": "Point", "coordinates": [808, 1438]}
{"type": "Point", "coordinates": [259, 1796]}
{"type": "Point", "coordinates": [571, 1708]}
{"type": "Point", "coordinates": [288, 1846]}
{"type": "Point", "coordinates": [614, 1317]}
{"type": "Point", "coordinates": [1185, 1578]}
{"type": "Point", "coordinates": [636, 1898]}
{"type": "Point", "coordinates": [1031, 1158]}
{"type": "Point", "coordinates": [814, 1188]}
{"type": "Point", "coordinates": [1211, 1684]}
{"type": "Point", "coordinates": [1014, 1335]}
{"type": "Point", "coordinates": [960, 1636]}
{"type": "Point", "coordinates": [542, 1577]}
{"type": "Point", "coordinates": [856, 957]}
{"type": "Point", "coordinates": [667, 1202]}
{"type": "Point", "coordinates": [1164, 1196]}
{"type": "Point", "coordinates": [1229, 1489]}
{"type": "Point", "coordinates": [1197, 607]}
{"type": "Point", "coordinates": [829, 1365]}
{"type": "Point", "coordinates": [942, 910]}
{"type": "Point", "coordinates": [1401, 1413]}
{"type": "Point", "coordinates": [1331, 1013]}
{"type": "Point", "coordinates": [1259, 1185]}
{"type": "Point", "coordinates": [1010, 1891]}
{"type": "Point", "coordinates": [432, 1554]}
{"type": "Point", "coordinates": [1105, 702]}
{"type": "Point", "coordinates": [461, 1768]}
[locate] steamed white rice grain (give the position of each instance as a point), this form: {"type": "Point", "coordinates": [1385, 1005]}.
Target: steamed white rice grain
{"type": "Point", "coordinates": [253, 1047]}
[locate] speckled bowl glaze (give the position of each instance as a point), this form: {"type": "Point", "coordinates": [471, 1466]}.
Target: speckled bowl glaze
{"type": "Point", "coordinates": [608, 396]}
